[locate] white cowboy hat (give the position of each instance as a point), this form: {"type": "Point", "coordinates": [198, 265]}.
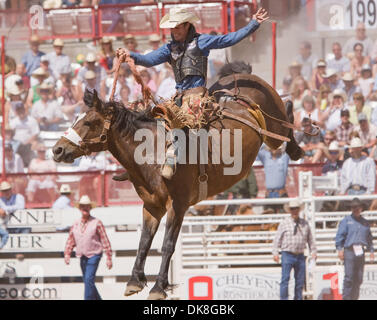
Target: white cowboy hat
{"type": "Point", "coordinates": [348, 77]}
{"type": "Point", "coordinates": [339, 93]}
{"type": "Point", "coordinates": [91, 57]}
{"type": "Point", "coordinates": [329, 73]}
{"type": "Point", "coordinates": [5, 185]}
{"type": "Point", "coordinates": [356, 143]}
{"type": "Point", "coordinates": [58, 43]}
{"type": "Point", "coordinates": [177, 16]}
{"type": "Point", "coordinates": [85, 200]}
{"type": "Point", "coordinates": [52, 4]}
{"type": "Point", "coordinates": [294, 204]}
{"type": "Point", "coordinates": [334, 146]}
{"type": "Point", "coordinates": [39, 72]}
{"type": "Point", "coordinates": [154, 37]}
{"type": "Point", "coordinates": [65, 188]}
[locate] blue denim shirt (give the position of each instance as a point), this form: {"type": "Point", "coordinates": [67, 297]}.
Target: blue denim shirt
{"type": "Point", "coordinates": [353, 231]}
{"type": "Point", "coordinates": [206, 42]}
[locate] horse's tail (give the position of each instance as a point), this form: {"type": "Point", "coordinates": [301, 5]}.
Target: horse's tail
{"type": "Point", "coordinates": [293, 149]}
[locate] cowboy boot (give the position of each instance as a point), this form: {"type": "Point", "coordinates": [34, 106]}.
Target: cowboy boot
{"type": "Point", "coordinates": [168, 169]}
{"type": "Point", "coordinates": [121, 177]}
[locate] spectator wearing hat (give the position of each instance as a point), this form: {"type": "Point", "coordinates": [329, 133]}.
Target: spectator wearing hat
{"type": "Point", "coordinates": [339, 63]}
{"type": "Point", "coordinates": [349, 86]}
{"type": "Point", "coordinates": [359, 106]}
{"type": "Point", "coordinates": [88, 235]}
{"type": "Point", "coordinates": [100, 74]}
{"type": "Point", "coordinates": [332, 79]}
{"type": "Point", "coordinates": [130, 43]}
{"type": "Point", "coordinates": [10, 202]}
{"type": "Point", "coordinates": [359, 60]}
{"type": "Point", "coordinates": [333, 162]}
{"type": "Point", "coordinates": [307, 59]}
{"type": "Point", "coordinates": [299, 89]}
{"type": "Point", "coordinates": [14, 95]}
{"type": "Point", "coordinates": [26, 131]}
{"type": "Point", "coordinates": [64, 201]}
{"type": "Point", "coordinates": [40, 75]}
{"type": "Point", "coordinates": [353, 239]}
{"type": "Point", "coordinates": [291, 238]}
{"type": "Point", "coordinates": [294, 70]}
{"type": "Point", "coordinates": [317, 80]}
{"type": "Point", "coordinates": [345, 129]}
{"type": "Point", "coordinates": [32, 58]}
{"type": "Point", "coordinates": [360, 37]}
{"type": "Point", "coordinates": [309, 143]}
{"type": "Point", "coordinates": [358, 175]}
{"type": "Point", "coordinates": [47, 110]}
{"type": "Point", "coordinates": [10, 64]}
{"type": "Point", "coordinates": [322, 153]}
{"type": "Point", "coordinates": [331, 116]}
{"type": "Point", "coordinates": [366, 81]}
{"type": "Point", "coordinates": [106, 55]}
{"type": "Point", "coordinates": [46, 183]}
{"type": "Point", "coordinates": [367, 131]}
{"type": "Point", "coordinates": [57, 59]}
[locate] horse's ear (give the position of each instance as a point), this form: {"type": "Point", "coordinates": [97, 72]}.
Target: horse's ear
{"type": "Point", "coordinates": [91, 99]}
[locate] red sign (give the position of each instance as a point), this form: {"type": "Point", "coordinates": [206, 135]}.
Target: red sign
{"type": "Point", "coordinates": [200, 288]}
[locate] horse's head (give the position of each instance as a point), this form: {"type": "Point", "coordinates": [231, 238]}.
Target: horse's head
{"type": "Point", "coordinates": [88, 133]}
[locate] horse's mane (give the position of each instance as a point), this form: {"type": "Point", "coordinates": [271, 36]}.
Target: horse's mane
{"type": "Point", "coordinates": [234, 67]}
{"type": "Point", "coordinates": [127, 121]}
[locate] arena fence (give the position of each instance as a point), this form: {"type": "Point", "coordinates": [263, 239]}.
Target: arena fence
{"type": "Point", "coordinates": [217, 257]}
{"type": "Point", "coordinates": [118, 20]}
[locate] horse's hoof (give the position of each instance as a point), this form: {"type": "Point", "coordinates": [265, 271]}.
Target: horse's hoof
{"type": "Point", "coordinates": [132, 288]}
{"type": "Point", "coordinates": [122, 177]}
{"type": "Point", "coordinates": [160, 295]}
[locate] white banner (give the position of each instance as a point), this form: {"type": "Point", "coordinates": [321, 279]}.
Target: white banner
{"type": "Point", "coordinates": [345, 14]}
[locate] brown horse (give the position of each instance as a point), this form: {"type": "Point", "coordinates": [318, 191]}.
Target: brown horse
{"type": "Point", "coordinates": [110, 126]}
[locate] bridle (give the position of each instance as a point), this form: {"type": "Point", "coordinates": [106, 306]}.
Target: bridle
{"type": "Point", "coordinates": [85, 144]}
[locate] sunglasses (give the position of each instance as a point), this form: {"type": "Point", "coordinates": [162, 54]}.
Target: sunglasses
{"type": "Point", "coordinates": [334, 152]}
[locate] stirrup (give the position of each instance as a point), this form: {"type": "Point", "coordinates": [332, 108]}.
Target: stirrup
{"type": "Point", "coordinates": [121, 177]}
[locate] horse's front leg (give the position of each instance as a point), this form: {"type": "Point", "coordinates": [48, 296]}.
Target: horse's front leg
{"type": "Point", "coordinates": [173, 227]}
{"type": "Point", "coordinates": [151, 221]}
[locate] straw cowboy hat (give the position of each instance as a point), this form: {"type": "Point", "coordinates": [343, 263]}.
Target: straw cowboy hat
{"type": "Point", "coordinates": [58, 43]}
{"type": "Point", "coordinates": [85, 200]}
{"type": "Point", "coordinates": [334, 146]}
{"type": "Point", "coordinates": [106, 40]}
{"type": "Point", "coordinates": [329, 73]}
{"type": "Point", "coordinates": [5, 185]}
{"type": "Point", "coordinates": [177, 16]}
{"type": "Point", "coordinates": [35, 39]}
{"type": "Point", "coordinates": [348, 77]}
{"type": "Point", "coordinates": [65, 188]}
{"type": "Point", "coordinates": [39, 72]}
{"type": "Point", "coordinates": [154, 38]}
{"type": "Point", "coordinates": [91, 57]}
{"type": "Point", "coordinates": [295, 64]}
{"type": "Point", "coordinates": [45, 86]}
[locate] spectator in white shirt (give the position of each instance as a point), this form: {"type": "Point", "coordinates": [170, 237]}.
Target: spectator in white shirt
{"type": "Point", "coordinates": [307, 59]}
{"type": "Point", "coordinates": [46, 110]}
{"type": "Point", "coordinates": [367, 131]}
{"type": "Point", "coordinates": [331, 116]}
{"type": "Point", "coordinates": [349, 86]}
{"type": "Point", "coordinates": [64, 201]}
{"type": "Point", "coordinates": [360, 37]}
{"type": "Point", "coordinates": [339, 63]}
{"type": "Point", "coordinates": [26, 130]}
{"type": "Point", "coordinates": [358, 175]}
{"type": "Point", "coordinates": [57, 59]}
{"type": "Point", "coordinates": [332, 79]}
{"type": "Point", "coordinates": [366, 81]}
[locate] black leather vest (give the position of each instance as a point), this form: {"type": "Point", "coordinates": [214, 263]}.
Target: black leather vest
{"type": "Point", "coordinates": [189, 62]}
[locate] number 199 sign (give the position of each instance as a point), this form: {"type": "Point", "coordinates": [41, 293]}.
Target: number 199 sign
{"type": "Point", "coordinates": [345, 14]}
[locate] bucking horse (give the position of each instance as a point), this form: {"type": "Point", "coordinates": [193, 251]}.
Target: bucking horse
{"type": "Point", "coordinates": [243, 101]}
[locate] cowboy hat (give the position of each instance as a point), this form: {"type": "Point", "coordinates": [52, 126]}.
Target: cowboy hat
{"type": "Point", "coordinates": [129, 36]}
{"type": "Point", "coordinates": [45, 86]}
{"type": "Point", "coordinates": [334, 146]}
{"type": "Point", "coordinates": [295, 64]}
{"type": "Point", "coordinates": [34, 39]}
{"type": "Point", "coordinates": [329, 73]}
{"type": "Point", "coordinates": [85, 200]}
{"type": "Point", "coordinates": [91, 57]}
{"type": "Point", "coordinates": [348, 77]}
{"type": "Point", "coordinates": [52, 4]}
{"type": "Point", "coordinates": [39, 72]}
{"type": "Point", "coordinates": [14, 90]}
{"type": "Point", "coordinates": [321, 63]}
{"type": "Point", "coordinates": [58, 43]}
{"type": "Point", "coordinates": [339, 93]}
{"type": "Point", "coordinates": [5, 185]}
{"type": "Point", "coordinates": [356, 143]}
{"type": "Point", "coordinates": [65, 188]}
{"type": "Point", "coordinates": [106, 40]}
{"type": "Point", "coordinates": [177, 16]}
{"type": "Point", "coordinates": [294, 204]}
{"type": "Point", "coordinates": [154, 37]}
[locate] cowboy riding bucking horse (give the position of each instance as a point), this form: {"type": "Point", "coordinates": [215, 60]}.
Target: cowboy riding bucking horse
{"type": "Point", "coordinates": [187, 53]}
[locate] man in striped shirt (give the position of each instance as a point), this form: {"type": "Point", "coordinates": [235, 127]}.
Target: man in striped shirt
{"type": "Point", "coordinates": [291, 238]}
{"type": "Point", "coordinates": [89, 237]}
